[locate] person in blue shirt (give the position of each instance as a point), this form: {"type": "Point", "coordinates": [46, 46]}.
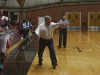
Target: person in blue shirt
{"type": "Point", "coordinates": [63, 32]}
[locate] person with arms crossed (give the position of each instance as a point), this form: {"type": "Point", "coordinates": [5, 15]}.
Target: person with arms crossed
{"type": "Point", "coordinates": [45, 33]}
{"type": "Point", "coordinates": [63, 31]}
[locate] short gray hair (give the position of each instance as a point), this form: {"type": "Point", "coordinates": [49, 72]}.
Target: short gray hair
{"type": "Point", "coordinates": [46, 17]}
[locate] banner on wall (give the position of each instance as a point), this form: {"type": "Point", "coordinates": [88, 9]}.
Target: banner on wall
{"type": "Point", "coordinates": [13, 36]}
{"type": "Point", "coordinates": [21, 2]}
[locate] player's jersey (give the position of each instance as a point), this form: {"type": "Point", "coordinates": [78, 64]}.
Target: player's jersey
{"type": "Point", "coordinates": [2, 20]}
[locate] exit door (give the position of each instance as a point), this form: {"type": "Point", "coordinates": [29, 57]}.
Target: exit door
{"type": "Point", "coordinates": [74, 18]}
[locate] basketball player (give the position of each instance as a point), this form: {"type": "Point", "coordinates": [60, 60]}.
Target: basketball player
{"type": "Point", "coordinates": [3, 37]}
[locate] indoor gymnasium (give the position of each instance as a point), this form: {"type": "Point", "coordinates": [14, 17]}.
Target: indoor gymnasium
{"type": "Point", "coordinates": [49, 37]}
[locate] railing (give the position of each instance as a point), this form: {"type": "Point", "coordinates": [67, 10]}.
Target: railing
{"type": "Point", "coordinates": [64, 2]}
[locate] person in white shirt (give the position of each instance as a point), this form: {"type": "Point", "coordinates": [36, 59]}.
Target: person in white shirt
{"type": "Point", "coordinates": [30, 24]}
{"type": "Point", "coordinates": [25, 25]}
{"type": "Point", "coordinates": [25, 29]}
{"type": "Point", "coordinates": [45, 33]}
{"type": "Point", "coordinates": [3, 37]}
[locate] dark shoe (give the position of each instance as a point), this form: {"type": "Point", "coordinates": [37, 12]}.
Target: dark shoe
{"type": "Point", "coordinates": [40, 62]}
{"type": "Point", "coordinates": [59, 46]}
{"type": "Point", "coordinates": [64, 46]}
{"type": "Point", "coordinates": [54, 65]}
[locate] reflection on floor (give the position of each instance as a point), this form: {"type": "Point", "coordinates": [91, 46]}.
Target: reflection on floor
{"type": "Point", "coordinates": [18, 61]}
{"type": "Point", "coordinates": [80, 57]}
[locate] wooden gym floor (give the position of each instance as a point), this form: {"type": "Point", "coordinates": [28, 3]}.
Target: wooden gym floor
{"type": "Point", "coordinates": [80, 57]}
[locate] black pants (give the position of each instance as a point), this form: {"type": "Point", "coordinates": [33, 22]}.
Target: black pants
{"type": "Point", "coordinates": [24, 32]}
{"type": "Point", "coordinates": [62, 37]}
{"type": "Point", "coordinates": [42, 44]}
{"type": "Point", "coordinates": [2, 56]}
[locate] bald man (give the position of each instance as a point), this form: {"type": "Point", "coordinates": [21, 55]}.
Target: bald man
{"type": "Point", "coordinates": [63, 32]}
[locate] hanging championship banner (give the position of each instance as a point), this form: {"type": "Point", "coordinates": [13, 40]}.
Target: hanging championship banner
{"type": "Point", "coordinates": [21, 2]}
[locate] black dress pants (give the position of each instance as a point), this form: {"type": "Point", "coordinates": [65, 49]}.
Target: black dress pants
{"type": "Point", "coordinates": [49, 43]}
{"type": "Point", "coordinates": [62, 37]}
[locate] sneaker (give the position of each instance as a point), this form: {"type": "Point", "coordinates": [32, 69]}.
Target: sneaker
{"type": "Point", "coordinates": [54, 65]}
{"type": "Point", "coordinates": [1, 67]}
